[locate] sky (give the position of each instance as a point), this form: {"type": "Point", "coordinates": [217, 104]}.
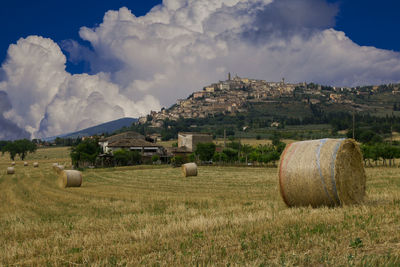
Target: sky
{"type": "Point", "coordinates": [68, 65]}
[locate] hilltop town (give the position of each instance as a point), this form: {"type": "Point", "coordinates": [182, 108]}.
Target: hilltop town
{"type": "Point", "coordinates": [235, 94]}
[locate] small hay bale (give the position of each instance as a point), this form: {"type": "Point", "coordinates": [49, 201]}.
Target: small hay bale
{"type": "Point", "coordinates": [25, 163]}
{"type": "Point", "coordinates": [54, 166]}
{"type": "Point", "coordinates": [59, 168]}
{"type": "Point", "coordinates": [35, 164]}
{"type": "Point", "coordinates": [70, 178]}
{"type": "Point", "coordinates": [189, 169]}
{"type": "Point", "coordinates": [327, 172]}
{"type": "Point", "coordinates": [10, 170]}
{"type": "Point", "coordinates": [13, 163]}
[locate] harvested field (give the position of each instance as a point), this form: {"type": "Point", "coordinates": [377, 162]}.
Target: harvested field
{"type": "Point", "coordinates": [152, 216]}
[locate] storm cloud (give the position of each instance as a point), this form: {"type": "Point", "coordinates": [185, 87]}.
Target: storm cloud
{"type": "Point", "coordinates": [138, 64]}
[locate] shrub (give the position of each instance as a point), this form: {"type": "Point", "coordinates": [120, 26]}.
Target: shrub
{"type": "Point", "coordinates": [155, 158]}
{"type": "Point", "coordinates": [178, 161]}
{"type": "Point", "coordinates": [205, 151]}
{"type": "Point", "coordinates": [124, 157]}
{"type": "Point", "coordinates": [85, 152]}
{"type": "Point", "coordinates": [192, 157]}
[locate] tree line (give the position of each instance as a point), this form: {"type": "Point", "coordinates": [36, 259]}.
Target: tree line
{"type": "Point", "coordinates": [18, 147]}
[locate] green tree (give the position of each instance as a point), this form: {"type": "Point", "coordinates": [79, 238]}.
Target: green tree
{"type": "Point", "coordinates": [231, 154]}
{"type": "Point", "coordinates": [205, 151]}
{"type": "Point", "coordinates": [246, 150]}
{"type": "Point", "coordinates": [24, 147]}
{"type": "Point", "coordinates": [85, 152]}
{"type": "Point", "coordinates": [177, 161]}
{"type": "Point", "coordinates": [20, 148]}
{"type": "Point", "coordinates": [11, 148]}
{"type": "Point", "coordinates": [192, 157]}
{"type": "Point", "coordinates": [155, 158]}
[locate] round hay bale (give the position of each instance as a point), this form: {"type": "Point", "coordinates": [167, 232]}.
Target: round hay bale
{"type": "Point", "coordinates": [54, 166]}
{"type": "Point", "coordinates": [327, 172]}
{"type": "Point", "coordinates": [70, 178]}
{"type": "Point", "coordinates": [35, 164]}
{"type": "Point", "coordinates": [13, 163]}
{"type": "Point", "coordinates": [189, 169]}
{"type": "Point", "coordinates": [10, 170]}
{"type": "Point", "coordinates": [59, 168]}
{"type": "Point", "coordinates": [25, 163]}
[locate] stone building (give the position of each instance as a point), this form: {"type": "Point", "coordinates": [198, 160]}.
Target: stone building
{"type": "Point", "coordinates": [190, 140]}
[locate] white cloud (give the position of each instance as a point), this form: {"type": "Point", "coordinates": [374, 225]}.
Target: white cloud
{"type": "Point", "coordinates": [46, 100]}
{"type": "Point", "coordinates": [177, 48]}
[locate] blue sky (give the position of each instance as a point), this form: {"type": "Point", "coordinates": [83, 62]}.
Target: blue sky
{"type": "Point", "coordinates": [97, 61]}
{"type": "Point", "coordinates": [59, 20]}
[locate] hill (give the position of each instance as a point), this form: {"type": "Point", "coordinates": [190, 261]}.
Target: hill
{"type": "Point", "coordinates": [107, 127]}
{"type": "Point", "coordinates": [245, 107]}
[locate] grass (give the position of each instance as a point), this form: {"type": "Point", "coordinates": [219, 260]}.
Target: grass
{"type": "Point", "coordinates": [148, 215]}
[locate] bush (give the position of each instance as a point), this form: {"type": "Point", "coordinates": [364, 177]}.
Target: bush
{"type": "Point", "coordinates": [124, 157]}
{"type": "Point", "coordinates": [192, 157]}
{"type": "Point", "coordinates": [155, 158]}
{"type": "Point", "coordinates": [205, 151]}
{"type": "Point", "coordinates": [220, 157]}
{"type": "Point", "coordinates": [85, 152]}
{"type": "Point", "coordinates": [177, 161]}
{"type": "Point", "coordinates": [19, 147]}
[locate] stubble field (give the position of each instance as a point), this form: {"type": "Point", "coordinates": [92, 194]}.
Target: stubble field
{"type": "Point", "coordinates": [148, 215]}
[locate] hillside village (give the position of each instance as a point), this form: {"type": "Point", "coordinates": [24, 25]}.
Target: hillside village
{"type": "Point", "coordinates": [232, 95]}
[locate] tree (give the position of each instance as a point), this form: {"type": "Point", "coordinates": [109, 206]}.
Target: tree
{"type": "Point", "coordinates": [11, 148]}
{"type": "Point", "coordinates": [231, 154]}
{"type": "Point", "coordinates": [155, 158]}
{"type": "Point", "coordinates": [205, 151]}
{"type": "Point", "coordinates": [246, 150]}
{"type": "Point", "coordinates": [85, 152]}
{"type": "Point", "coordinates": [124, 157]}
{"type": "Point", "coordinates": [24, 147]}
{"type": "Point", "coordinates": [178, 161]}
{"type": "Point", "coordinates": [220, 157]}
{"type": "Point", "coordinates": [20, 148]}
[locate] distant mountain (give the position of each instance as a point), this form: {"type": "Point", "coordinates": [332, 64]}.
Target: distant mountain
{"type": "Point", "coordinates": [107, 127]}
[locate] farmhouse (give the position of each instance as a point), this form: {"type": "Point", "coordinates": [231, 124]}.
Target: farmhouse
{"type": "Point", "coordinates": [147, 149]}
{"type": "Point", "coordinates": [105, 142]}
{"type": "Point", "coordinates": [190, 140]}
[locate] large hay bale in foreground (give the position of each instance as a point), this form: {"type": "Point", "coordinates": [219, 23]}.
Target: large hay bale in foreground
{"type": "Point", "coordinates": [25, 163]}
{"type": "Point", "coordinates": [70, 178]}
{"type": "Point", "coordinates": [35, 164]}
{"type": "Point", "coordinates": [327, 172]}
{"type": "Point", "coordinates": [10, 170]}
{"type": "Point", "coordinates": [189, 169]}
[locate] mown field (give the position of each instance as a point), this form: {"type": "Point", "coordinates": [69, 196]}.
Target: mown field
{"type": "Point", "coordinates": [153, 216]}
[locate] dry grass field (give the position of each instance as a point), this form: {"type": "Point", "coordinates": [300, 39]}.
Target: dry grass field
{"type": "Point", "coordinates": [153, 216]}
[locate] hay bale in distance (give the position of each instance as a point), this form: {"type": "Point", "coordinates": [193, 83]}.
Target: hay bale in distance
{"type": "Point", "coordinates": [54, 166]}
{"type": "Point", "coordinates": [70, 178]}
{"type": "Point", "coordinates": [35, 164]}
{"type": "Point", "coordinates": [327, 172]}
{"type": "Point", "coordinates": [13, 163]}
{"type": "Point", "coordinates": [189, 169]}
{"type": "Point", "coordinates": [10, 170]}
{"type": "Point", "coordinates": [59, 168]}
{"type": "Point", "coordinates": [25, 163]}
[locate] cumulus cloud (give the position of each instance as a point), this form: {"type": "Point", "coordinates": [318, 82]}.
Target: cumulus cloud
{"type": "Point", "coordinates": [8, 129]}
{"type": "Point", "coordinates": [184, 44]}
{"type": "Point", "coordinates": [140, 63]}
{"type": "Point", "coordinates": [46, 100]}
